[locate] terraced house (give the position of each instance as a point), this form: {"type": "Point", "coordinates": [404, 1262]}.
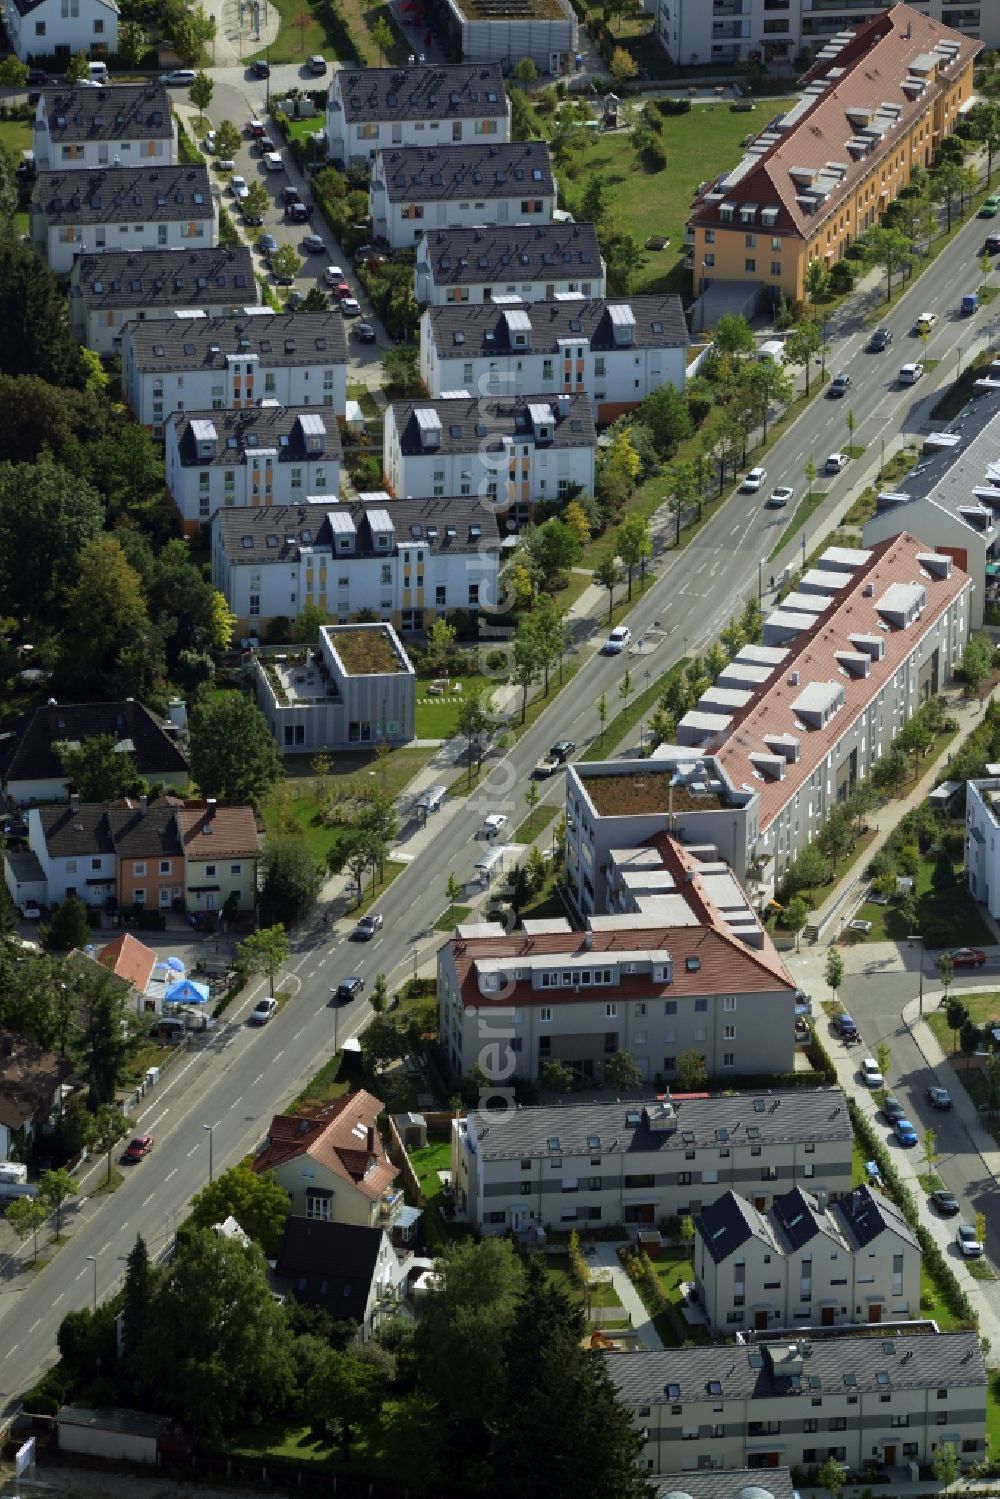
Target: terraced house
{"type": "Point", "coordinates": [416, 188]}
{"type": "Point", "coordinates": [879, 99]}
{"type": "Point", "coordinates": [414, 106]}
{"type": "Point", "coordinates": [107, 291]}
{"type": "Point", "coordinates": [509, 264]}
{"type": "Point", "coordinates": [127, 124]}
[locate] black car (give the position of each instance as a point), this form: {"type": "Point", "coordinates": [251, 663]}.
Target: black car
{"type": "Point", "coordinates": [939, 1098]}
{"type": "Point", "coordinates": [347, 990]}
{"type": "Point", "coordinates": [364, 332]}
{"type": "Point", "coordinates": [892, 1110]}
{"type": "Point", "coordinates": [880, 339]}
{"type": "Point", "coordinates": [991, 247]}
{"type": "Point", "coordinates": [839, 385]}
{"type": "Point", "coordinates": [261, 69]}
{"type": "Point", "coordinates": [290, 194]}
{"type": "Point", "coordinates": [296, 213]}
{"type": "Point", "coordinates": [946, 1202]}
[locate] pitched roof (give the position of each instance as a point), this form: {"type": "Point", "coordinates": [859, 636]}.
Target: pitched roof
{"type": "Point", "coordinates": [226, 832]}
{"type": "Point", "coordinates": [120, 112]}
{"type": "Point", "coordinates": [864, 1215]}
{"type": "Point", "coordinates": [453, 92]}
{"type": "Point", "coordinates": [26, 740]}
{"type": "Point", "coordinates": [728, 1223]}
{"type": "Point", "coordinates": [153, 281]}
{"type": "Point", "coordinates": [342, 1138]}
{"type": "Point", "coordinates": [477, 424]}
{"type": "Point", "coordinates": [126, 194]}
{"type": "Point", "coordinates": [446, 173]}
{"type": "Point", "coordinates": [485, 328]}
{"type": "Point", "coordinates": [860, 102]}
{"type": "Point", "coordinates": [277, 338]}
{"type": "Point", "coordinates": [330, 1264]}
{"type": "Point", "coordinates": [798, 1216]}
{"type": "Point", "coordinates": [242, 433]}
{"type": "Point", "coordinates": [71, 831]}
{"type": "Point", "coordinates": [727, 1483]}
{"type": "Point", "coordinates": [553, 252]}
{"type": "Point", "coordinates": [139, 833]}
{"type": "Point", "coordinates": [29, 1077]}
{"type": "Point", "coordinates": [129, 959]}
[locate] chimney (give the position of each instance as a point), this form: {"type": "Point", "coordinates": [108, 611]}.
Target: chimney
{"type": "Point", "coordinates": [211, 803]}
{"type": "Point", "coordinates": [144, 804]}
{"type": "Point", "coordinates": [74, 801]}
{"type": "Point", "coordinates": [371, 1139]}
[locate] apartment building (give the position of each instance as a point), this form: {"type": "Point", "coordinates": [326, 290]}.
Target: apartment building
{"type": "Point", "coordinates": [982, 839]}
{"type": "Point", "coordinates": [261, 455]}
{"type": "Point", "coordinates": [635, 1164]}
{"type": "Point", "coordinates": [221, 848]}
{"type": "Point", "coordinates": [32, 771]}
{"type": "Point", "coordinates": [419, 105]}
{"type": "Point", "coordinates": [530, 262]}
{"type": "Point", "coordinates": [233, 363]}
{"type": "Point", "coordinates": [805, 1262]}
{"type": "Point", "coordinates": [877, 101]}
{"type": "Point", "coordinates": [404, 562]}
{"type": "Point", "coordinates": [547, 31]}
{"type": "Point", "coordinates": [418, 188]}
{"type": "Point", "coordinates": [59, 28]}
{"type": "Point", "coordinates": [886, 1401]}
{"type": "Point", "coordinates": [123, 286]}
{"type": "Point", "coordinates": [121, 208]}
{"type": "Point", "coordinates": [513, 451]}
{"type": "Point", "coordinates": [617, 351]}
{"type": "Point", "coordinates": [124, 125]}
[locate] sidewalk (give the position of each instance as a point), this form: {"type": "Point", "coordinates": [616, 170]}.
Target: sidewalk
{"type": "Point", "coordinates": [605, 1257]}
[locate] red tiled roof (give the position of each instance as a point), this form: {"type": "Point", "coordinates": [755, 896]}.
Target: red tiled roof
{"type": "Point", "coordinates": [332, 1138]}
{"type": "Point", "coordinates": [812, 655]}
{"type": "Point", "coordinates": [129, 959]}
{"type": "Point", "coordinates": [228, 832]}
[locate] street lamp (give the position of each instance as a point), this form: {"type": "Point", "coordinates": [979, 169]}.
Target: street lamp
{"type": "Point", "coordinates": [916, 937]}
{"type": "Point", "coordinates": [211, 1163]}
{"type": "Point", "coordinates": [92, 1258]}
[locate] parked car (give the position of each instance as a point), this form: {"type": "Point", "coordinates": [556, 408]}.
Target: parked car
{"type": "Point", "coordinates": [846, 1028]}
{"type": "Point", "coordinates": [348, 989]}
{"type": "Point", "coordinates": [208, 144]}
{"type": "Point", "coordinates": [255, 129]}
{"type": "Point", "coordinates": [313, 244]}
{"type": "Point", "coordinates": [350, 306]}
{"type": "Point", "coordinates": [946, 1202]}
{"type": "Point", "coordinates": [991, 207]}
{"type": "Point", "coordinates": [892, 1109]}
{"type": "Point", "coordinates": [238, 188]}
{"type": "Point", "coordinates": [296, 213]}
{"type": "Point", "coordinates": [969, 1246]}
{"type": "Point", "coordinates": [368, 926]}
{"type": "Point", "coordinates": [905, 1133]}
{"type": "Point", "coordinates": [261, 69]}
{"type": "Point", "coordinates": [225, 164]}
{"type": "Point", "coordinates": [939, 1098]}
{"type": "Point", "coordinates": [317, 65]}
{"type": "Point", "coordinates": [179, 77]}
{"type": "Point", "coordinates": [333, 275]}
{"type": "Point", "coordinates": [839, 385]}
{"type": "Point", "coordinates": [779, 497]}
{"type": "Point", "coordinates": [364, 332]}
{"type": "Point", "coordinates": [267, 244]}
{"type": "Point", "coordinates": [274, 161]}
{"type": "Point", "coordinates": [290, 194]}
{"type": "Point", "coordinates": [835, 462]}
{"type": "Point", "coordinates": [617, 641]}
{"type": "Point", "coordinates": [295, 300]}
{"type": "Point", "coordinates": [925, 322]}
{"type": "Point", "coordinates": [967, 957]}
{"type": "Point", "coordinates": [880, 339]}
{"type": "Point", "coordinates": [31, 911]}
{"type": "Point", "coordinates": [910, 373]}
{"type": "Point", "coordinates": [137, 1149]}
{"type": "Point", "coordinates": [753, 481]}
{"type": "Point", "coordinates": [265, 144]}
{"type": "Point", "coordinates": [262, 1011]}
{"type": "Point", "coordinates": [340, 291]}
{"type": "Point", "coordinates": [871, 1073]}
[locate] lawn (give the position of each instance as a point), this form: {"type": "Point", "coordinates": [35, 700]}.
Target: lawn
{"type": "Point", "coordinates": [339, 29]}
{"type": "Point", "coordinates": [453, 917]}
{"type": "Point", "coordinates": [537, 821]}
{"type": "Point", "coordinates": [982, 1008]}
{"type": "Point", "coordinates": [601, 1294]}
{"type": "Point", "coordinates": [967, 927]}
{"type": "Point", "coordinates": [438, 1229]}
{"type": "Point", "coordinates": [437, 717]}
{"type": "Point", "coordinates": [672, 1269]}
{"type": "Point", "coordinates": [323, 1087]}
{"type": "Point", "coordinates": [625, 721]}
{"type": "Point", "coordinates": [297, 801]}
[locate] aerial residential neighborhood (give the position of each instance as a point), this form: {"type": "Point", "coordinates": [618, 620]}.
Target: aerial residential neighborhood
{"type": "Point", "coordinates": [500, 748]}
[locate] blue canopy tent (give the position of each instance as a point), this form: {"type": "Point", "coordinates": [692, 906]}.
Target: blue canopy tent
{"type": "Point", "coordinates": [187, 992]}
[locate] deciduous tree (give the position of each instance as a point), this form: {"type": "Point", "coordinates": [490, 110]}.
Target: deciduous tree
{"type": "Point", "coordinates": [26, 1216]}
{"type": "Point", "coordinates": [608, 574]}
{"type": "Point", "coordinates": [67, 927]}
{"type": "Point", "coordinates": [265, 951]}
{"type": "Point", "coordinates": [97, 770]}
{"type": "Point", "coordinates": [833, 970]}
{"type": "Point", "coordinates": [621, 1071]}
{"type": "Point", "coordinates": [259, 1205]}
{"type": "Point", "coordinates": [109, 1125]}
{"type": "Point", "coordinates": [292, 880]}
{"type": "Point", "coordinates": [634, 544]}
{"type": "Point", "coordinates": [200, 93]}
{"type": "Point", "coordinates": [233, 756]}
{"type": "Point", "coordinates": [55, 1188]}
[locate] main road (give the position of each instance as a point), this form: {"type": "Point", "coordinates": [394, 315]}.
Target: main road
{"type": "Point", "coordinates": [249, 1073]}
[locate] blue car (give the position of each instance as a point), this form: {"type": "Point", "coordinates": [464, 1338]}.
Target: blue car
{"type": "Point", "coordinates": [905, 1133]}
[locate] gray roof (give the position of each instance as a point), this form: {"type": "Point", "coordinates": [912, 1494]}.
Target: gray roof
{"type": "Point", "coordinates": [155, 281]}
{"type": "Point", "coordinates": [27, 738]}
{"type": "Point", "coordinates": [114, 1418]}
{"type": "Point", "coordinates": [728, 1223]}
{"type": "Point", "coordinates": [864, 1214]}
{"type": "Point", "coordinates": [470, 424]}
{"type": "Point", "coordinates": [82, 829]}
{"type": "Point", "coordinates": [513, 253]}
{"type": "Point", "coordinates": [122, 112]}
{"type": "Point", "coordinates": [277, 532]}
{"type": "Point", "coordinates": [800, 1219]}
{"type": "Point", "coordinates": [114, 195]}
{"type": "Point", "coordinates": [458, 91]}
{"type": "Point", "coordinates": [779, 1118]}
{"type": "Point", "coordinates": [727, 1483]}
{"type": "Point", "coordinates": [446, 173]}
{"type": "Point", "coordinates": [279, 338]}
{"type": "Point", "coordinates": [237, 433]}
{"type": "Point", "coordinates": [461, 331]}
{"type": "Point", "coordinates": [910, 1360]}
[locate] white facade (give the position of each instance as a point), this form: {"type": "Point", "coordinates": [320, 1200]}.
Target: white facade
{"type": "Point", "coordinates": [982, 840]}
{"type": "Point", "coordinates": [60, 244]}
{"type": "Point", "coordinates": [401, 221]}
{"type": "Point", "coordinates": [58, 146]}
{"type": "Point", "coordinates": [61, 27]}
{"type": "Point", "coordinates": [971, 546]}
{"type": "Point", "coordinates": [91, 874]}
{"type": "Point", "coordinates": [418, 106]}
{"type": "Point", "coordinates": [166, 208]}
{"type": "Point", "coordinates": [449, 272]}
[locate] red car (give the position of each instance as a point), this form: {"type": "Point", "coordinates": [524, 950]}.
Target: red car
{"type": "Point", "coordinates": [967, 957]}
{"type": "Point", "coordinates": [137, 1149]}
{"type": "Point", "coordinates": [256, 129]}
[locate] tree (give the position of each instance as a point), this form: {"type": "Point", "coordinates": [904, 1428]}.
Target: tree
{"type": "Point", "coordinates": [608, 574]}
{"type": "Point", "coordinates": [401, 369]}
{"type": "Point", "coordinates": [14, 72]}
{"type": "Point", "coordinates": [832, 1476]}
{"type": "Point", "coordinates": [930, 1149]}
{"type": "Point", "coordinates": [37, 336]}
{"type": "Point", "coordinates": [816, 279]}
{"type": "Point", "coordinates": [889, 773]}
{"type": "Point", "coordinates": [691, 1071]}
{"type": "Point", "coordinates": [259, 1205]}
{"type": "Point", "coordinates": [733, 335]}
{"type": "Point", "coordinates": [455, 891]}
{"type": "Point", "coordinates": [810, 472]}
{"type": "Point", "coordinates": [947, 184]}
{"type": "Point", "coordinates": [136, 1300]}
{"type": "Point", "coordinates": [888, 249]}
{"type": "Point", "coordinates": [440, 645]}
{"type": "Point", "coordinates": [945, 1464]}
{"type": "Point", "coordinates": [984, 118]}
{"type": "Point", "coordinates": [382, 1042]}
{"type": "Point", "coordinates": [980, 1226]}
{"type": "Point", "coordinates": [108, 1127]}
{"type": "Point", "coordinates": [107, 610]}
{"type": "Point", "coordinates": [795, 916]}
{"type": "Point", "coordinates": [836, 835]}
{"type": "Point", "coordinates": [26, 1216]}
{"type": "Point", "coordinates": [977, 664]}
{"type": "Point", "coordinates": [956, 1016]}
{"type": "Point", "coordinates": [575, 517]}
{"type": "Point", "coordinates": [527, 658]}
{"type": "Point", "coordinates": [68, 926]}
{"type": "Point", "coordinates": [625, 687]}
{"type": "Point", "coordinates": [833, 970]}
{"type": "Point", "coordinates": [969, 1037]}
{"type": "Point", "coordinates": [265, 951]}
{"type": "Point", "coordinates": [46, 516]}
{"type": "Point", "coordinates": [54, 1188]}
{"type": "Point", "coordinates": [625, 257]}
{"type": "Point", "coordinates": [554, 1076]}
{"type": "Point", "coordinates": [802, 345]}
{"type": "Point", "coordinates": [233, 756]}
{"type": "Point", "coordinates": [342, 1392]}
{"type": "Point", "coordinates": [227, 143]}
{"type": "Point", "coordinates": [477, 720]}
{"type": "Point", "coordinates": [382, 37]}
{"type": "Point", "coordinates": [667, 415]}
{"type": "Point", "coordinates": [622, 66]}
{"type": "Point", "coordinates": [200, 93]}
{"type": "Point", "coordinates": [525, 70]}
{"type": "Point", "coordinates": [943, 874]}
{"type": "Point", "coordinates": [621, 1071]}
{"type": "Point", "coordinates": [292, 880]}
{"type": "Point", "coordinates": [946, 973]}
{"type": "Point", "coordinates": [767, 385]}
{"type": "Point", "coordinates": [554, 548]}
{"type": "Point", "coordinates": [286, 262]}
{"type": "Point", "coordinates": [77, 70]}
{"type": "Point", "coordinates": [532, 797]}
{"type": "Point", "coordinates": [634, 543]}
{"type": "Point", "coordinates": [257, 202]}
{"type": "Point", "coordinates": [602, 711]}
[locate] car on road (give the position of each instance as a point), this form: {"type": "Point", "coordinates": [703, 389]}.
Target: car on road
{"type": "Point", "coordinates": [348, 989]}
{"type": "Point", "coordinates": [616, 641]}
{"type": "Point", "coordinates": [30, 911]}
{"type": "Point", "coordinates": [364, 332]}
{"type": "Point", "coordinates": [892, 1109]}
{"type": "Point", "coordinates": [969, 1246]}
{"type": "Point", "coordinates": [939, 1098]}
{"type": "Point", "coordinates": [265, 144]}
{"type": "Point", "coordinates": [493, 825]}
{"type": "Point", "coordinates": [262, 1012]}
{"type": "Point", "coordinates": [208, 144]}
{"type": "Point", "coordinates": [313, 244]}
{"type": "Point", "coordinates": [967, 957]}
{"type": "Point", "coordinates": [846, 1027]}
{"type": "Point", "coordinates": [274, 161]}
{"type": "Point", "coordinates": [910, 373]}
{"type": "Point", "coordinates": [368, 926]}
{"type": "Point", "coordinates": [880, 339]}
{"type": "Point", "coordinates": [835, 462]}
{"type": "Point", "coordinates": [137, 1149]}
{"type": "Point", "coordinates": [555, 759]}
{"type": "Point", "coordinates": [925, 323]}
{"type": "Point", "coordinates": [904, 1132]}
{"type": "Point", "coordinates": [992, 245]}
{"type": "Point", "coordinates": [871, 1073]}
{"type": "Point", "coordinates": [839, 385]}
{"type": "Point", "coordinates": [340, 291]}
{"type": "Point", "coordinates": [290, 194]}
{"type": "Point", "coordinates": [991, 207]}
{"type": "Point", "coordinates": [267, 244]}
{"type": "Point", "coordinates": [350, 306]}
{"type": "Point", "coordinates": [946, 1202]}
{"type": "Point", "coordinates": [261, 69]}
{"type": "Point", "coordinates": [179, 77]}
{"type": "Point", "coordinates": [779, 497]}
{"type": "Point", "coordinates": [753, 481]}
{"type": "Point", "coordinates": [317, 65]}
{"type": "Point", "coordinates": [238, 188]}
{"type": "Point", "coordinates": [333, 275]}
{"type": "Point", "coordinates": [296, 213]}
{"type": "Point", "coordinates": [255, 129]}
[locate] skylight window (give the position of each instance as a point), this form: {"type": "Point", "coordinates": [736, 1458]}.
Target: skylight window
{"type": "Point", "coordinates": [553, 1143]}
{"type": "Point", "coordinates": [247, 542]}
{"type": "Point", "coordinates": [272, 540]}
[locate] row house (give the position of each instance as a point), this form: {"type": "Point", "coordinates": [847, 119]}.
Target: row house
{"type": "Point", "coordinates": [514, 451]}
{"type": "Point", "coordinates": [260, 456]}
{"type": "Point", "coordinates": [608, 1164]}
{"type": "Point", "coordinates": [31, 768]}
{"type": "Point", "coordinates": [124, 125]}
{"type": "Point", "coordinates": [234, 363]}
{"type": "Point", "coordinates": [404, 562]}
{"type": "Point", "coordinates": [116, 287]}
{"type": "Point", "coordinates": [530, 262]}
{"type": "Point", "coordinates": [616, 351]}
{"type": "Point", "coordinates": [418, 188]}
{"type": "Point", "coordinates": [61, 28]}
{"type": "Point", "coordinates": [414, 106]}
{"type": "Point", "coordinates": [121, 208]}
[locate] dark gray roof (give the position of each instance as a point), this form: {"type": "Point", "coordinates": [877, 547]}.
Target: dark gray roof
{"type": "Point", "coordinates": [910, 1360]}
{"type": "Point", "coordinates": [280, 338]}
{"type": "Point", "coordinates": [152, 833]}
{"type": "Point", "coordinates": [241, 432]}
{"type": "Point", "coordinates": [152, 280]}
{"type": "Point", "coordinates": [461, 331]}
{"type": "Point", "coordinates": [778, 1118]}
{"type": "Point", "coordinates": [799, 1219]}
{"type": "Point", "coordinates": [458, 91]}
{"type": "Point", "coordinates": [469, 423]}
{"type": "Point", "coordinates": [329, 1264]}
{"type": "Point", "coordinates": [727, 1224]}
{"type": "Point", "coordinates": [727, 1483]}
{"type": "Point", "coordinates": [276, 532]}
{"type": "Point", "coordinates": [82, 829]}
{"type": "Point", "coordinates": [864, 1214]}
{"type": "Point", "coordinates": [517, 252]}
{"type": "Point", "coordinates": [26, 740]}
{"type": "Point", "coordinates": [114, 195]}
{"type": "Point", "coordinates": [444, 173]}
{"type": "Point", "coordinates": [123, 112]}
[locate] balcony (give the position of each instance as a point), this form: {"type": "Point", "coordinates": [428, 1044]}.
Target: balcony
{"type": "Point", "coordinates": [389, 1204]}
{"type": "Point", "coordinates": [723, 8]}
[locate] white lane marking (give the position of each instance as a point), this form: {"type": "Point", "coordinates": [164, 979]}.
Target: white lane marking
{"type": "Point", "coordinates": [107, 1246]}
{"type": "Point", "coordinates": [260, 1075]}
{"type": "Point", "coordinates": [59, 1298]}
{"type": "Point", "coordinates": [34, 1324]}
{"type": "Point", "coordinates": [172, 1173]}
{"type": "Point", "coordinates": [147, 1200]}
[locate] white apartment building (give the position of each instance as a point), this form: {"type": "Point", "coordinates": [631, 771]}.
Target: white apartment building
{"type": "Point", "coordinates": [886, 1400]}
{"type": "Point", "coordinates": [805, 1262]}
{"type": "Point", "coordinates": [262, 455]}
{"type": "Point", "coordinates": [419, 105]}
{"type": "Point", "coordinates": [604, 1164]}
{"type": "Point", "coordinates": [982, 839]}
{"type": "Point", "coordinates": [405, 562]}
{"type": "Point", "coordinates": [514, 451]}
{"type": "Point", "coordinates": [418, 188]}
{"type": "Point", "coordinates": [121, 208]}
{"type": "Point", "coordinates": [617, 351]}
{"type": "Point", "coordinates": [232, 363]}
{"type": "Point", "coordinates": [532, 262]}
{"type": "Point", "coordinates": [58, 28]}
{"type": "Point", "coordinates": [126, 124]}
{"type": "Point", "coordinates": [117, 287]}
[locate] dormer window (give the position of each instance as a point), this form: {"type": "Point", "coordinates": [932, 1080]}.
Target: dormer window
{"type": "Point", "coordinates": [726, 212]}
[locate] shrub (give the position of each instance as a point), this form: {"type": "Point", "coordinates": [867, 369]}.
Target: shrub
{"type": "Point", "coordinates": [841, 277]}
{"type": "Point", "coordinates": [654, 157]}
{"type": "Point", "coordinates": [673, 106]}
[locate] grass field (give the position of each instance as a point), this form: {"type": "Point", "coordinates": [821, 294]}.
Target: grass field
{"type": "Point", "coordinates": [967, 926]}
{"type": "Point", "coordinates": [982, 1008]}
{"type": "Point", "coordinates": [338, 30]}
{"type": "Point", "coordinates": [437, 717]}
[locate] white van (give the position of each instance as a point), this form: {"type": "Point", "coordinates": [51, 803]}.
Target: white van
{"type": "Point", "coordinates": [492, 826]}
{"type": "Point", "coordinates": [97, 72]}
